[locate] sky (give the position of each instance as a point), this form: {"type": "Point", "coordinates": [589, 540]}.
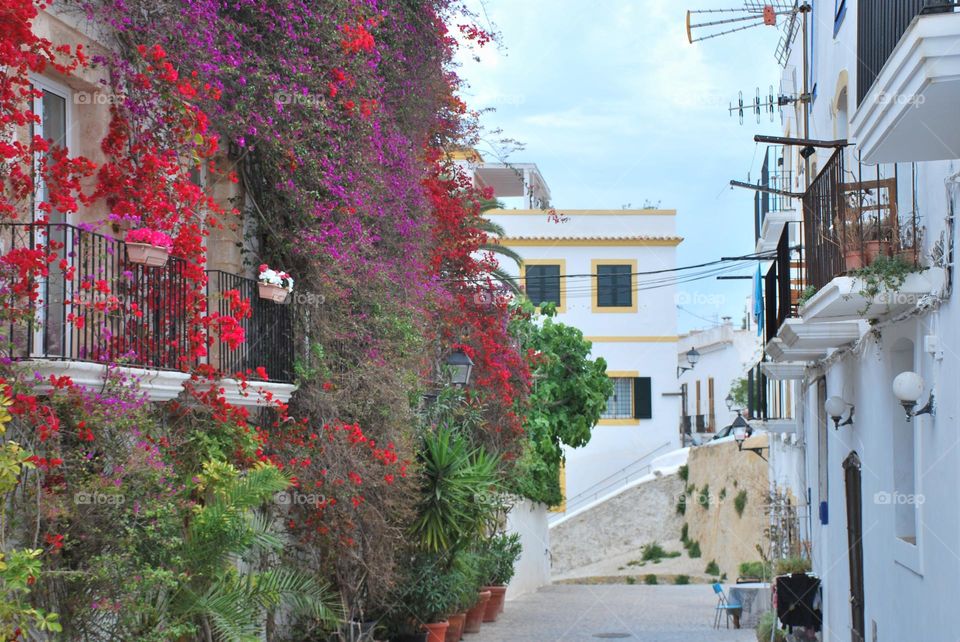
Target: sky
{"type": "Point", "coordinates": [618, 109]}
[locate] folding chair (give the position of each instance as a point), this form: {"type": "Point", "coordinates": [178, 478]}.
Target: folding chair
{"type": "Point", "coordinates": [723, 606]}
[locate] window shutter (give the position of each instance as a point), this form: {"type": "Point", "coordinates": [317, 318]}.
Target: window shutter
{"type": "Point", "coordinates": [642, 398]}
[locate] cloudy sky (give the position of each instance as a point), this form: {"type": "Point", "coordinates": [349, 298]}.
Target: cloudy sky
{"type": "Point", "coordinates": [617, 108]}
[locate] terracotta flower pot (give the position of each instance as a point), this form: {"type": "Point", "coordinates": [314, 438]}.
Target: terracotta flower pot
{"type": "Point", "coordinates": [875, 249]}
{"type": "Point", "coordinates": [145, 254]}
{"type": "Point", "coordinates": [436, 631]}
{"type": "Point", "coordinates": [495, 605]}
{"type": "Point", "coordinates": [853, 259]}
{"type": "Point", "coordinates": [475, 614]}
{"type": "Point", "coordinates": [455, 632]}
{"type": "Point", "coordinates": [273, 292]}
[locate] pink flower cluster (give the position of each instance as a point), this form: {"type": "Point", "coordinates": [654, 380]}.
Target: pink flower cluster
{"type": "Point", "coordinates": [151, 237]}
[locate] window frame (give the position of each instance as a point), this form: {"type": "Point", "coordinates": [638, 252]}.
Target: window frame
{"type": "Point", "coordinates": [629, 375]}
{"type": "Point", "coordinates": [562, 263]}
{"type": "Point", "coordinates": [595, 286]}
{"type": "Point", "coordinates": [45, 84]}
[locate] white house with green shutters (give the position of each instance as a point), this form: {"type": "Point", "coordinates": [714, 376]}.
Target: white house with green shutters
{"type": "Point", "coordinates": [598, 267]}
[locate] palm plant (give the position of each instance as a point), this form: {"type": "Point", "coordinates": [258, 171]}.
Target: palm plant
{"type": "Point", "coordinates": [457, 498]}
{"type": "Point", "coordinates": [496, 231]}
{"type": "Point", "coordinates": [224, 592]}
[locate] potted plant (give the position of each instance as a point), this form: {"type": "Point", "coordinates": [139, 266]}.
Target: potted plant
{"type": "Point", "coordinates": [499, 554]}
{"type": "Point", "coordinates": [426, 594]}
{"type": "Point", "coordinates": [274, 285]}
{"type": "Point", "coordinates": [476, 612]}
{"type": "Point", "coordinates": [466, 569]}
{"type": "Point", "coordinates": [148, 247]}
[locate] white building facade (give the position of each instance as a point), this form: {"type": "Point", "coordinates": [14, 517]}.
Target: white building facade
{"type": "Point", "coordinates": [881, 516]}
{"type": "Point", "coordinates": [596, 266]}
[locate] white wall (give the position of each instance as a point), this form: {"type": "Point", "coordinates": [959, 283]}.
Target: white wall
{"type": "Point", "coordinates": [533, 568]}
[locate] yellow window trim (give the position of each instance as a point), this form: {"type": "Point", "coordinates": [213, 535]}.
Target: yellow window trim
{"type": "Point", "coordinates": [626, 421]}
{"type": "Point", "coordinates": [562, 307]}
{"type": "Point", "coordinates": [562, 212]}
{"type": "Point", "coordinates": [595, 280]}
{"type": "Point", "coordinates": [671, 241]}
{"type": "Point", "coordinates": [562, 506]}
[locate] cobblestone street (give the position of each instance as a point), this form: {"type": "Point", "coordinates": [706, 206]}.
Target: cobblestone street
{"type": "Point", "coordinates": [594, 612]}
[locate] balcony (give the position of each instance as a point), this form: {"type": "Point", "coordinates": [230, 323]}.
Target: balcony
{"type": "Point", "coordinates": [782, 287]}
{"type": "Point", "coordinates": [851, 218]}
{"type": "Point", "coordinates": [770, 401]}
{"type": "Point", "coordinates": [94, 307]}
{"type": "Point", "coordinates": [908, 80]}
{"type": "Point", "coordinates": [773, 210]}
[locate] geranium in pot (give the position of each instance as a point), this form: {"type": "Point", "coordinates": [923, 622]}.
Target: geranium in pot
{"type": "Point", "coordinates": [498, 554]}
{"type": "Point", "coordinates": [274, 285]}
{"type": "Point", "coordinates": [148, 247]}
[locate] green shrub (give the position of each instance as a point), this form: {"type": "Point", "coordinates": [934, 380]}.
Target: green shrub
{"type": "Point", "coordinates": [704, 497]}
{"type": "Point", "coordinates": [712, 568]}
{"type": "Point", "coordinates": [683, 472]}
{"type": "Point", "coordinates": [694, 549]}
{"type": "Point", "coordinates": [756, 569]}
{"type": "Point", "coordinates": [790, 565]}
{"type": "Point", "coordinates": [684, 532]}
{"type": "Point", "coordinates": [652, 552]}
{"type": "Point", "coordinates": [498, 555]}
{"type": "Point", "coordinates": [723, 493]}
{"type": "Point", "coordinates": [689, 489]}
{"type": "Point", "coordinates": [681, 505]}
{"type": "Point", "coordinates": [650, 579]}
{"type": "Point", "coordinates": [681, 579]}
{"type": "Point", "coordinates": [766, 626]}
{"type": "Point", "coordinates": [631, 580]}
{"type": "Point", "coordinates": [740, 502]}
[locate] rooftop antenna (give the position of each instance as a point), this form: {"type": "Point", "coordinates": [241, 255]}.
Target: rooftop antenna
{"type": "Point", "coordinates": [768, 104]}
{"type": "Point", "coordinates": [781, 14]}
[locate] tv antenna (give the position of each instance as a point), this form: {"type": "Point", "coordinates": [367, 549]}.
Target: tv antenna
{"type": "Point", "coordinates": [781, 14]}
{"type": "Point", "coordinates": [760, 105]}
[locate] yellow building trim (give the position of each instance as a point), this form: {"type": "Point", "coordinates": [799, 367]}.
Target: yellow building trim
{"type": "Point", "coordinates": [562, 306]}
{"type": "Point", "coordinates": [594, 281]}
{"type": "Point", "coordinates": [653, 241]}
{"type": "Point", "coordinates": [638, 339]}
{"type": "Point", "coordinates": [623, 373]}
{"type": "Point", "coordinates": [562, 506]}
{"type": "Point", "coordinates": [619, 422]}
{"type": "Point", "coordinates": [639, 212]}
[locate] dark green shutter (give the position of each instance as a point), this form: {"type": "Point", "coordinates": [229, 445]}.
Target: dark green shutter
{"type": "Point", "coordinates": [642, 398]}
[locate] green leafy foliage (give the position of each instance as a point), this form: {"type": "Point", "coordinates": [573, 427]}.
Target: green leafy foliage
{"type": "Point", "coordinates": [650, 579]}
{"type": "Point", "coordinates": [757, 569]}
{"type": "Point", "coordinates": [682, 505]}
{"type": "Point", "coordinates": [704, 497]}
{"type": "Point", "coordinates": [655, 552]}
{"type": "Point", "coordinates": [683, 472]}
{"type": "Point", "coordinates": [712, 568]}
{"type": "Point", "coordinates": [569, 393]}
{"type": "Point", "coordinates": [793, 564]}
{"type": "Point", "coordinates": [739, 390]}
{"type": "Point", "coordinates": [498, 555]}
{"type": "Point", "coordinates": [681, 579]}
{"type": "Point", "coordinates": [457, 496]}
{"type": "Point", "coordinates": [767, 629]}
{"type": "Point", "coordinates": [693, 550]}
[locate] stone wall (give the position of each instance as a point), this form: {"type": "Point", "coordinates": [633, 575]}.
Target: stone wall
{"type": "Point", "coordinates": [723, 534]}
{"type": "Point", "coordinates": [643, 513]}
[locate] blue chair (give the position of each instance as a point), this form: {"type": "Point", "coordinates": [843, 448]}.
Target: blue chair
{"type": "Point", "coordinates": [724, 606]}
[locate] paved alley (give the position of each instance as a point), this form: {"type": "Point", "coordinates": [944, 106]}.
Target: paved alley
{"type": "Point", "coordinates": [574, 613]}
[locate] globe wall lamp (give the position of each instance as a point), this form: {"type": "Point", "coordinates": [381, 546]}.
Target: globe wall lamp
{"type": "Point", "coordinates": [835, 407]}
{"type": "Point", "coordinates": [741, 430]}
{"type": "Point", "coordinates": [908, 388]}
{"type": "Point", "coordinates": [692, 358]}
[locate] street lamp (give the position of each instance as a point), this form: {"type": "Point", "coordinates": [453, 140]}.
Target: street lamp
{"type": "Point", "coordinates": [908, 388]}
{"type": "Point", "coordinates": [729, 401]}
{"type": "Point", "coordinates": [835, 407]}
{"type": "Point", "coordinates": [742, 430]}
{"type": "Point", "coordinates": [692, 358]}
{"type": "Point", "coordinates": [460, 366]}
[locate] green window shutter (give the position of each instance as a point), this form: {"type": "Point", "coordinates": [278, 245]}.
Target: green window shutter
{"type": "Point", "coordinates": [642, 398]}
{"type": "Point", "coordinates": [543, 284]}
{"type": "Point", "coordinates": [614, 286]}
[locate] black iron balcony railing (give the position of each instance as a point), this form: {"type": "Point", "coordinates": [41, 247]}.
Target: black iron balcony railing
{"type": "Point", "coordinates": [853, 216]}
{"type": "Point", "coordinates": [94, 305]}
{"type": "Point", "coordinates": [880, 25]}
{"type": "Point", "coordinates": [767, 399]}
{"type": "Point", "coordinates": [268, 330]}
{"type": "Point", "coordinates": [773, 175]}
{"type": "Point", "coordinates": [782, 286]}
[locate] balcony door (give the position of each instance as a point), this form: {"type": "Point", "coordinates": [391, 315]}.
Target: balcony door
{"type": "Point", "coordinates": [851, 473]}
{"type": "Point", "coordinates": [50, 337]}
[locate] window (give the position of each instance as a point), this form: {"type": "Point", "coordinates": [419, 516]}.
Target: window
{"type": "Point", "coordinates": [543, 284]}
{"type": "Point", "coordinates": [631, 399]}
{"type": "Point", "coordinates": [615, 286]}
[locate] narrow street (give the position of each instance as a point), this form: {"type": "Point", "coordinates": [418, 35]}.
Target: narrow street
{"type": "Point", "coordinates": [594, 612]}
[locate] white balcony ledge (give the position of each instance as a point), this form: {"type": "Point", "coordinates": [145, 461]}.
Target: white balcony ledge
{"type": "Point", "coordinates": [772, 229]}
{"type": "Point", "coordinates": [160, 385]}
{"type": "Point", "coordinates": [779, 352]}
{"type": "Point", "coordinates": [257, 393]}
{"type": "Point", "coordinates": [843, 299]}
{"type": "Point", "coordinates": [784, 371]}
{"type": "Point", "coordinates": [797, 335]}
{"type": "Point", "coordinates": [910, 113]}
